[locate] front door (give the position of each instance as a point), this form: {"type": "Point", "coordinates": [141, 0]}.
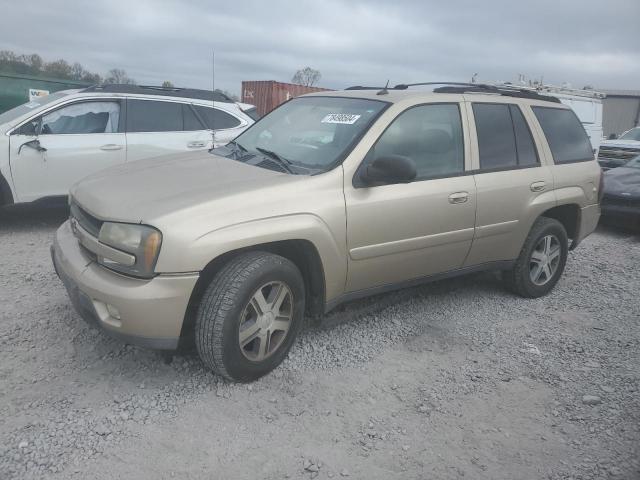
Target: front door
{"type": "Point", "coordinates": [75, 140]}
{"type": "Point", "coordinates": [401, 232]}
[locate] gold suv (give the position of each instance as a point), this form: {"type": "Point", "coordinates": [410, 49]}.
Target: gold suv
{"type": "Point", "coordinates": [331, 197]}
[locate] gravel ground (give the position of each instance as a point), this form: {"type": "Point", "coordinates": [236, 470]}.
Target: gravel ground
{"type": "Point", "coordinates": [456, 379]}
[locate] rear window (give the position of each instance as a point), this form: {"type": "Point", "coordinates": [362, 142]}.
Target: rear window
{"type": "Point", "coordinates": [565, 134]}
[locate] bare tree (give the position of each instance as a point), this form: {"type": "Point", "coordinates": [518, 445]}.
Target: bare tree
{"type": "Point", "coordinates": [77, 71]}
{"type": "Point", "coordinates": [307, 77]}
{"type": "Point", "coordinates": [59, 68]}
{"type": "Point", "coordinates": [117, 75]}
{"type": "Point", "coordinates": [34, 61]}
{"type": "Point", "coordinates": [93, 78]}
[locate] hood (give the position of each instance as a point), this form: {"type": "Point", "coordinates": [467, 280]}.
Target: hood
{"type": "Point", "coordinates": [620, 143]}
{"type": "Point", "coordinates": [622, 182]}
{"type": "Point", "coordinates": [147, 189]}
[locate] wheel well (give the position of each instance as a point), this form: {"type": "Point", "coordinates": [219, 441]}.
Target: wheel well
{"type": "Point", "coordinates": [301, 252]}
{"type": "Point", "coordinates": [6, 198]}
{"type": "Point", "coordinates": [568, 216]}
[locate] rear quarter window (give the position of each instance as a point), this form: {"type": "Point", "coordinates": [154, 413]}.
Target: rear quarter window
{"type": "Point", "coordinates": [565, 135]}
{"type": "Point", "coordinates": [216, 119]}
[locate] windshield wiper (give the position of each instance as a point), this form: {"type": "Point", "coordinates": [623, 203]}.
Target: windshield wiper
{"type": "Point", "coordinates": [236, 144]}
{"type": "Point", "coordinates": [283, 162]}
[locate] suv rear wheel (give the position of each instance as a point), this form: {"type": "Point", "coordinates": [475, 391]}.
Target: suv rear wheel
{"type": "Point", "coordinates": [541, 260]}
{"type": "Point", "coordinates": [250, 315]}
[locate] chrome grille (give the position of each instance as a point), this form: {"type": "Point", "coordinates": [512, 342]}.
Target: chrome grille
{"type": "Point", "coordinates": [617, 153]}
{"type": "Point", "coordinates": [87, 221]}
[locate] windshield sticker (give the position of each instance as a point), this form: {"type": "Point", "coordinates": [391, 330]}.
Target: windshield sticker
{"type": "Point", "coordinates": [344, 118]}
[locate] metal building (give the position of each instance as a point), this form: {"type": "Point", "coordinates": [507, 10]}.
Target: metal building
{"type": "Point", "coordinates": [620, 111]}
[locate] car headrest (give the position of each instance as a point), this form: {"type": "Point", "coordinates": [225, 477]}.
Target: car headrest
{"type": "Point", "coordinates": [437, 141]}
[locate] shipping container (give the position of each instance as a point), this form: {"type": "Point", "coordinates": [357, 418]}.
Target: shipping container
{"type": "Point", "coordinates": [16, 89]}
{"type": "Point", "coordinates": [268, 94]}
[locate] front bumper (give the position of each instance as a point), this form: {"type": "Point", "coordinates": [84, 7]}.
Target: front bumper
{"type": "Point", "coordinates": [151, 312]}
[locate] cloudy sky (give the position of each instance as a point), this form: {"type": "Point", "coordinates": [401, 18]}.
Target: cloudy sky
{"type": "Point", "coordinates": [351, 42]}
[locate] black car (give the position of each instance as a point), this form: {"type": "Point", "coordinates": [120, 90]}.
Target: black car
{"type": "Point", "coordinates": [621, 199]}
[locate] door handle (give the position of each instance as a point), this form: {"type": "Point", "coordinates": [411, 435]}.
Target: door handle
{"type": "Point", "coordinates": [111, 146]}
{"type": "Point", "coordinates": [458, 197]}
{"type": "Point", "coordinates": [537, 186]}
{"type": "Point", "coordinates": [195, 144]}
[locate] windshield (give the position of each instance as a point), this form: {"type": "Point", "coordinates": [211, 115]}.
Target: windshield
{"type": "Point", "coordinates": [31, 106]}
{"type": "Point", "coordinates": [633, 134]}
{"type": "Point", "coordinates": [308, 134]}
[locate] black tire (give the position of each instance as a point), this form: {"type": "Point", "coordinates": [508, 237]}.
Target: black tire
{"type": "Point", "coordinates": [518, 279]}
{"type": "Point", "coordinates": [223, 303]}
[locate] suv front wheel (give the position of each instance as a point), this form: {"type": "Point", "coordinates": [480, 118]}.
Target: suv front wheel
{"type": "Point", "coordinates": [541, 261]}
{"type": "Point", "coordinates": [250, 315]}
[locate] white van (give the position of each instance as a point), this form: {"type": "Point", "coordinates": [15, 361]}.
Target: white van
{"type": "Point", "coordinates": [51, 142]}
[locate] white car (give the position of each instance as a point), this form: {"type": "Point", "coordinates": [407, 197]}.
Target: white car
{"type": "Point", "coordinates": [50, 143]}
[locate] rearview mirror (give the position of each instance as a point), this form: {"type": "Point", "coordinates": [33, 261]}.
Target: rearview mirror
{"type": "Point", "coordinates": [389, 169]}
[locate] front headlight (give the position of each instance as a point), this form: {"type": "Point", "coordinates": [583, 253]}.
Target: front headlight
{"type": "Point", "coordinates": [141, 241]}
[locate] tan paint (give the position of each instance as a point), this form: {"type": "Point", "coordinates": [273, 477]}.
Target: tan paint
{"type": "Point", "coordinates": [206, 206]}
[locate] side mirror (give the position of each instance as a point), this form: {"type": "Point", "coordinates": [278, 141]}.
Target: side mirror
{"type": "Point", "coordinates": [389, 169]}
{"type": "Point", "coordinates": [613, 136]}
{"type": "Point", "coordinates": [35, 144]}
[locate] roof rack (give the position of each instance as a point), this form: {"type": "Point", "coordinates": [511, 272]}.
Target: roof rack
{"type": "Point", "coordinates": [161, 91]}
{"type": "Point", "coordinates": [555, 89]}
{"type": "Point", "coordinates": [462, 87]}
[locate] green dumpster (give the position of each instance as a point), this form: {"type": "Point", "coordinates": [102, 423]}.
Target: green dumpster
{"type": "Point", "coordinates": [16, 89]}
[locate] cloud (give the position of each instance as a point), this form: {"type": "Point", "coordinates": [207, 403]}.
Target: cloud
{"type": "Point", "coordinates": [350, 42]}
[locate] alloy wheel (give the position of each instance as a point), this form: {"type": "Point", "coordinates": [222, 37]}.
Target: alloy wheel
{"type": "Point", "coordinates": [544, 260]}
{"type": "Point", "coordinates": [265, 321]}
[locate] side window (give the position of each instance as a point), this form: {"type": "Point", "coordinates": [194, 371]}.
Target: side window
{"type": "Point", "coordinates": [527, 153]}
{"type": "Point", "coordinates": [496, 140]}
{"type": "Point", "coordinates": [82, 117]}
{"type": "Point", "coordinates": [431, 135]}
{"type": "Point", "coordinates": [253, 113]}
{"type": "Point", "coordinates": [504, 138]}
{"type": "Point", "coordinates": [216, 118]}
{"type": "Point", "coordinates": [153, 116]}
{"type": "Point", "coordinates": [191, 122]}
{"type": "Point", "coordinates": [30, 128]}
{"type": "Point", "coordinates": [565, 134]}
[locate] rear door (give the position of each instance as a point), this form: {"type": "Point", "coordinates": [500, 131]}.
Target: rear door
{"type": "Point", "coordinates": [513, 185]}
{"type": "Point", "coordinates": [226, 125]}
{"type": "Point", "coordinates": [162, 127]}
{"type": "Point", "coordinates": [78, 139]}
